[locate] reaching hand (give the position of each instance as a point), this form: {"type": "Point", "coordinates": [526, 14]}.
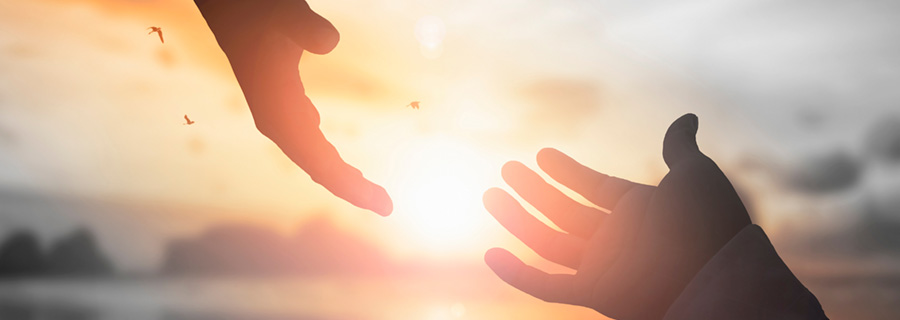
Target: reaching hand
{"type": "Point", "coordinates": [634, 261]}
{"type": "Point", "coordinates": [263, 40]}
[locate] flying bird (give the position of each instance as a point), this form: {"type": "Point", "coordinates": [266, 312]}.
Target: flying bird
{"type": "Point", "coordinates": [188, 120]}
{"type": "Point", "coordinates": [414, 105]}
{"type": "Point", "coordinates": [158, 30]}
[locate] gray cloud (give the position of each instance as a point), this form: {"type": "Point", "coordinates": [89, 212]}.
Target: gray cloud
{"type": "Point", "coordinates": [830, 172]}
{"type": "Point", "coordinates": [883, 142]}
{"type": "Point", "coordinates": [878, 228]}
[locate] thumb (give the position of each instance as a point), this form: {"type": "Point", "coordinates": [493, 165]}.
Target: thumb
{"type": "Point", "coordinates": [681, 140]}
{"type": "Point", "coordinates": [306, 28]}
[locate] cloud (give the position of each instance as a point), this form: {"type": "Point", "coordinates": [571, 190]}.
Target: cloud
{"type": "Point", "coordinates": [559, 105]}
{"type": "Point", "coordinates": [874, 231]}
{"type": "Point", "coordinates": [829, 172]}
{"type": "Point", "coordinates": [879, 227]}
{"type": "Point", "coordinates": [883, 142]}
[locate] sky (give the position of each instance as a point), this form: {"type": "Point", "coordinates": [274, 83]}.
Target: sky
{"type": "Point", "coordinates": [91, 110]}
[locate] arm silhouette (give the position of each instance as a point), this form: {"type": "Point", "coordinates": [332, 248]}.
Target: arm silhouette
{"type": "Point", "coordinates": [263, 40]}
{"type": "Point", "coordinates": [636, 261]}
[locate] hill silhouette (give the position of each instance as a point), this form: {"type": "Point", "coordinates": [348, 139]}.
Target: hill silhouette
{"type": "Point", "coordinates": [318, 247]}
{"type": "Point", "coordinates": [74, 255]}
{"type": "Point", "coordinates": [77, 254]}
{"type": "Point", "coordinates": [20, 255]}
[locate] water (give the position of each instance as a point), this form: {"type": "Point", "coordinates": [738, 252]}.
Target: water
{"type": "Point", "coordinates": [274, 299]}
{"type": "Point", "coordinates": [859, 296]}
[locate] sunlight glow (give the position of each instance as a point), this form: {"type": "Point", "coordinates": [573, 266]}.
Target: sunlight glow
{"type": "Point", "coordinates": [430, 33]}
{"type": "Point", "coordinates": [440, 193]}
{"type": "Point", "coordinates": [454, 311]}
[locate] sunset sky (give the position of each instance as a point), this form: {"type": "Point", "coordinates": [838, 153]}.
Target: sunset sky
{"type": "Point", "coordinates": [91, 106]}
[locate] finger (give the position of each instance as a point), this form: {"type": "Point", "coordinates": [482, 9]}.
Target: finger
{"type": "Point", "coordinates": [568, 214]}
{"type": "Point", "coordinates": [287, 117]}
{"type": "Point", "coordinates": [681, 140]}
{"type": "Point", "coordinates": [318, 158]}
{"type": "Point", "coordinates": [326, 167]}
{"type": "Point", "coordinates": [306, 28]}
{"type": "Point", "coordinates": [558, 247]}
{"type": "Point", "coordinates": [559, 288]}
{"type": "Point", "coordinates": [600, 189]}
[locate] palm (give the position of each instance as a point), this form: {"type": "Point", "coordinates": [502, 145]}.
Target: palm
{"type": "Point", "coordinates": [632, 262]}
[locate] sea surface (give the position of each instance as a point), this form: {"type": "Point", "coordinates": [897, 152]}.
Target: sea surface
{"type": "Point", "coordinates": [848, 296]}
{"type": "Point", "coordinates": [298, 298]}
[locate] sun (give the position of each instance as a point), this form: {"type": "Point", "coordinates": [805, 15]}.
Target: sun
{"type": "Point", "coordinates": [439, 193]}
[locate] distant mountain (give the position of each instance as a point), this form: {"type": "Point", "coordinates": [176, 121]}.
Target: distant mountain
{"type": "Point", "coordinates": [75, 255]}
{"type": "Point", "coordinates": [20, 256]}
{"type": "Point", "coordinates": [319, 247]}
{"type": "Point", "coordinates": [229, 249]}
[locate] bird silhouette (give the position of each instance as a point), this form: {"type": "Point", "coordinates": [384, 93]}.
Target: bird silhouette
{"type": "Point", "coordinates": [157, 30]}
{"type": "Point", "coordinates": [188, 120]}
{"type": "Point", "coordinates": [414, 105]}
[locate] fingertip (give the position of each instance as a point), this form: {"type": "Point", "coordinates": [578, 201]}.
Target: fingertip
{"type": "Point", "coordinates": [383, 205]}
{"type": "Point", "coordinates": [493, 199]}
{"type": "Point", "coordinates": [680, 141]}
{"type": "Point", "coordinates": [492, 193]}
{"type": "Point", "coordinates": [512, 169]}
{"type": "Point", "coordinates": [498, 259]}
{"type": "Point", "coordinates": [546, 154]}
{"type": "Point", "coordinates": [688, 122]}
{"type": "Point", "coordinates": [510, 165]}
{"type": "Point", "coordinates": [385, 209]}
{"type": "Point", "coordinates": [551, 159]}
{"type": "Point", "coordinates": [308, 29]}
{"type": "Point", "coordinates": [326, 39]}
{"type": "Point", "coordinates": [492, 255]}
{"type": "Point", "coordinates": [695, 121]}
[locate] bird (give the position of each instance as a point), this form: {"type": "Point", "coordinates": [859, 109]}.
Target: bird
{"type": "Point", "coordinates": [157, 30]}
{"type": "Point", "coordinates": [189, 122]}
{"type": "Point", "coordinates": [414, 105]}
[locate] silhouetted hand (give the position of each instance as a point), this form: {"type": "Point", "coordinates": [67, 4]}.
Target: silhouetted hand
{"type": "Point", "coordinates": [263, 40]}
{"type": "Point", "coordinates": [633, 262]}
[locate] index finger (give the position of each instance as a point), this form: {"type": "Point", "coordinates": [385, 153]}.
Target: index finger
{"type": "Point", "coordinates": [559, 288]}
{"type": "Point", "coordinates": [320, 159]}
{"type": "Point", "coordinates": [283, 113]}
{"type": "Point", "coordinates": [565, 212]}
{"type": "Point", "coordinates": [598, 188]}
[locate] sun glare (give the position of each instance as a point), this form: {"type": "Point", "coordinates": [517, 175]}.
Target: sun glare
{"type": "Point", "coordinates": [439, 193]}
{"type": "Point", "coordinates": [430, 32]}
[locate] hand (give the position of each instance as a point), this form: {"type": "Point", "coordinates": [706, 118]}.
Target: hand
{"type": "Point", "coordinates": [634, 261]}
{"type": "Point", "coordinates": [263, 40]}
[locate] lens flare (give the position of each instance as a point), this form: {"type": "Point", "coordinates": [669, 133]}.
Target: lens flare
{"type": "Point", "coordinates": [430, 32]}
